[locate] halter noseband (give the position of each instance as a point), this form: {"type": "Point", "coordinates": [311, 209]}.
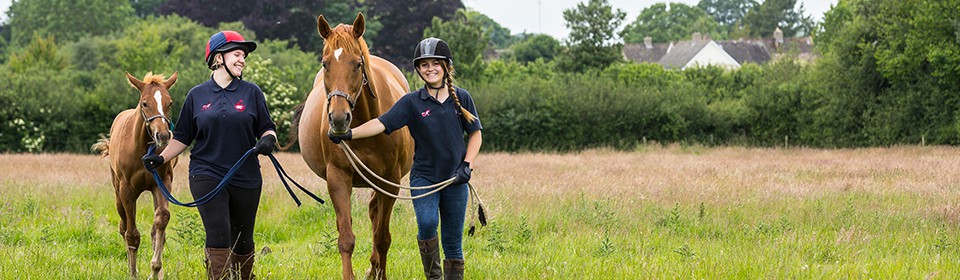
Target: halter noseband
{"type": "Point", "coordinates": [352, 102]}
{"type": "Point", "coordinates": [146, 120]}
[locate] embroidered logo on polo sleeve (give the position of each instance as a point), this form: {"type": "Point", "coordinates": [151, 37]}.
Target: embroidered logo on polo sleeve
{"type": "Point", "coordinates": [425, 113]}
{"type": "Point", "coordinates": [239, 106]}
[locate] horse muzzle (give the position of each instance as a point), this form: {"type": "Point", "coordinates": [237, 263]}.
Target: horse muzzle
{"type": "Point", "coordinates": [162, 138]}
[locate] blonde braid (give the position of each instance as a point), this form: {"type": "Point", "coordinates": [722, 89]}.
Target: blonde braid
{"type": "Point", "coordinates": [466, 114]}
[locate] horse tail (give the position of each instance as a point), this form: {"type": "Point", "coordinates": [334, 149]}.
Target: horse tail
{"type": "Point", "coordinates": [294, 128]}
{"type": "Point", "coordinates": [102, 146]}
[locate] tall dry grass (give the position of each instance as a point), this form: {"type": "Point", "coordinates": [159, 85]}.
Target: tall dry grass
{"type": "Point", "coordinates": [662, 212]}
{"type": "Point", "coordinates": [666, 174]}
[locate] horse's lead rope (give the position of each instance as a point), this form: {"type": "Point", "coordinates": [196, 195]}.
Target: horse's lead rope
{"type": "Point", "coordinates": [353, 158]}
{"type": "Point", "coordinates": [226, 178]}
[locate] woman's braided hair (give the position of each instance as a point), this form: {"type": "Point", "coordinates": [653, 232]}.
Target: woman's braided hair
{"type": "Point", "coordinates": [453, 92]}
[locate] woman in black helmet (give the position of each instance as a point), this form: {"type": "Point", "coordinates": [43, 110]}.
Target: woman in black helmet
{"type": "Point", "coordinates": [224, 117]}
{"type": "Point", "coordinates": [438, 115]}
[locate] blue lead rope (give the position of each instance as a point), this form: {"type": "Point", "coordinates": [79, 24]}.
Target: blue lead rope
{"type": "Point", "coordinates": [226, 178]}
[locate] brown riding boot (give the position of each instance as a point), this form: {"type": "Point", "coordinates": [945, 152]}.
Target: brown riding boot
{"type": "Point", "coordinates": [243, 264]}
{"type": "Point", "coordinates": [453, 269]}
{"type": "Point", "coordinates": [218, 262]}
{"type": "Point", "coordinates": [430, 256]}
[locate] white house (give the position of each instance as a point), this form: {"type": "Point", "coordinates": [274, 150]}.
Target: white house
{"type": "Point", "coordinates": [698, 51]}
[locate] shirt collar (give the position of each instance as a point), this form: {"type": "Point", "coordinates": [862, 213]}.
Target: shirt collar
{"type": "Point", "coordinates": [231, 87]}
{"type": "Point", "coordinates": [425, 94]}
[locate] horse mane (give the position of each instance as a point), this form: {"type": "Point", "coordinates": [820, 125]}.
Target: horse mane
{"type": "Point", "coordinates": [151, 78]}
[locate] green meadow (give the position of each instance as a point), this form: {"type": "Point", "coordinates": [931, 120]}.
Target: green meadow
{"type": "Point", "coordinates": [684, 212]}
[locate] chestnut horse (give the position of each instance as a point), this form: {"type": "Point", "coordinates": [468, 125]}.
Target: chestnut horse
{"type": "Point", "coordinates": [132, 132]}
{"type": "Point", "coordinates": [352, 88]}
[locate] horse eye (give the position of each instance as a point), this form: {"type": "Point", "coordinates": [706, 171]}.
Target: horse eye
{"type": "Point", "coordinates": [144, 104]}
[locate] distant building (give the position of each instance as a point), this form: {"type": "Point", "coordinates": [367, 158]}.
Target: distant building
{"type": "Point", "coordinates": [730, 54]}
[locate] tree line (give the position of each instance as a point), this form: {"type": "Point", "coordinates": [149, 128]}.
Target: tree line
{"type": "Point", "coordinates": [887, 71]}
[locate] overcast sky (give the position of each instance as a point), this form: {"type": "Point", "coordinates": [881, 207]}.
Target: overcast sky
{"type": "Point", "coordinates": [546, 16]}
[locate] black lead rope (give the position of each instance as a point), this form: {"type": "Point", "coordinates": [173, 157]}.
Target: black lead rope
{"type": "Point", "coordinates": [206, 198]}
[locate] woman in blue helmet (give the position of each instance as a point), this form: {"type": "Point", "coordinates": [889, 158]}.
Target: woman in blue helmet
{"type": "Point", "coordinates": [438, 116]}
{"type": "Point", "coordinates": [224, 117]}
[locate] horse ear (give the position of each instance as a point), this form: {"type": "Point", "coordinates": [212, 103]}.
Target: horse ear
{"type": "Point", "coordinates": [323, 27]}
{"type": "Point", "coordinates": [136, 83]}
{"type": "Point", "coordinates": [358, 25]}
{"type": "Point", "coordinates": [172, 80]}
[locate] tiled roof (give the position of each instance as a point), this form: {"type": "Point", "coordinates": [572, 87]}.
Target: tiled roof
{"type": "Point", "coordinates": [640, 53]}
{"type": "Point", "coordinates": [681, 53]}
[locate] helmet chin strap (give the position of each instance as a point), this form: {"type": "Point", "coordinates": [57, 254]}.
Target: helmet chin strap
{"type": "Point", "coordinates": [224, 64]}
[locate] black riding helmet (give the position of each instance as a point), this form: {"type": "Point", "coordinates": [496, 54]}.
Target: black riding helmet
{"type": "Point", "coordinates": [432, 48]}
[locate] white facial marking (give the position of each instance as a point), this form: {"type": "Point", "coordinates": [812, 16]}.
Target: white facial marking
{"type": "Point", "coordinates": [336, 53]}
{"type": "Point", "coordinates": [158, 96]}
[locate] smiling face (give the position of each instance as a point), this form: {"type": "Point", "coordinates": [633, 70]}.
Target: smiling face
{"type": "Point", "coordinates": [431, 70]}
{"type": "Point", "coordinates": [234, 60]}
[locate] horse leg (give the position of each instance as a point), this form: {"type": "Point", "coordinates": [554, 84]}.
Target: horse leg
{"type": "Point", "coordinates": [161, 216]}
{"type": "Point", "coordinates": [130, 234]}
{"type": "Point", "coordinates": [381, 207]}
{"type": "Point", "coordinates": [340, 190]}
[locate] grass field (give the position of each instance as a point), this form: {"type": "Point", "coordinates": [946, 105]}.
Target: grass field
{"type": "Point", "coordinates": [674, 212]}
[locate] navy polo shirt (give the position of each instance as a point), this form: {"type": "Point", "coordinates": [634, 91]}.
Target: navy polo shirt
{"type": "Point", "coordinates": [437, 130]}
{"type": "Point", "coordinates": [225, 123]}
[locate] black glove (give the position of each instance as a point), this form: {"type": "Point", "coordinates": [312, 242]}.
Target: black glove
{"type": "Point", "coordinates": [336, 138]}
{"type": "Point", "coordinates": [265, 145]}
{"type": "Point", "coordinates": [463, 173]}
{"type": "Point", "coordinates": [152, 162]}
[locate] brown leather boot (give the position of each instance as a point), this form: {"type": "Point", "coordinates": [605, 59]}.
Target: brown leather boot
{"type": "Point", "coordinates": [453, 269]}
{"type": "Point", "coordinates": [430, 256]}
{"type": "Point", "coordinates": [243, 264]}
{"type": "Point", "coordinates": [218, 261]}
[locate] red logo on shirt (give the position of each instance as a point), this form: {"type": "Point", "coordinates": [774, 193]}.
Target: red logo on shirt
{"type": "Point", "coordinates": [239, 106]}
{"type": "Point", "coordinates": [425, 113]}
{"type": "Point", "coordinates": [205, 107]}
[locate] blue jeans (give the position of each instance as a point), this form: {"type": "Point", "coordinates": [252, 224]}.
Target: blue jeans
{"type": "Point", "coordinates": [448, 208]}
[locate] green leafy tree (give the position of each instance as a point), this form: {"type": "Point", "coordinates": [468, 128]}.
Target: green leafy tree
{"type": "Point", "coordinates": [66, 20]}
{"type": "Point", "coordinates": [834, 21]}
{"type": "Point", "coordinates": [762, 20]}
{"type": "Point", "coordinates": [291, 20]}
{"type": "Point", "coordinates": [539, 46]}
{"type": "Point", "coordinates": [665, 24]}
{"type": "Point", "coordinates": [404, 22]}
{"type": "Point", "coordinates": [592, 42]}
{"type": "Point", "coordinates": [728, 13]}
{"type": "Point", "coordinates": [146, 8]}
{"type": "Point", "coordinates": [467, 39]}
{"type": "Point", "coordinates": [499, 35]}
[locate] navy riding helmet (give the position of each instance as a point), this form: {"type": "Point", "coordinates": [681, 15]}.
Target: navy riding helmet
{"type": "Point", "coordinates": [226, 41]}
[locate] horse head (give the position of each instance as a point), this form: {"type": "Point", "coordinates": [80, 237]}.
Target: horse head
{"type": "Point", "coordinates": [154, 106]}
{"type": "Point", "coordinates": [346, 64]}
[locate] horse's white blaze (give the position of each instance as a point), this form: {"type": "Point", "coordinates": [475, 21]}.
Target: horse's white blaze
{"type": "Point", "coordinates": [159, 96]}
{"type": "Point", "coordinates": [336, 53]}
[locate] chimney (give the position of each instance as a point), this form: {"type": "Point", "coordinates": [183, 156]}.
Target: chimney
{"type": "Point", "coordinates": [778, 37]}
{"type": "Point", "coordinates": [696, 36]}
{"type": "Point", "coordinates": [706, 37]}
{"type": "Point", "coordinates": [648, 42]}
